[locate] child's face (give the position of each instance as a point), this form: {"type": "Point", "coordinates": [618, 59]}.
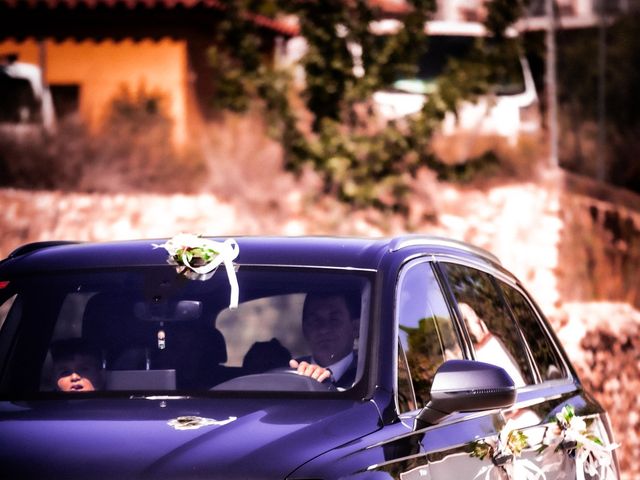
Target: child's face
{"type": "Point", "coordinates": [79, 373]}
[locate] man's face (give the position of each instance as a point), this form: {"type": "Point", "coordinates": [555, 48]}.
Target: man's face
{"type": "Point", "coordinates": [79, 373]}
{"type": "Point", "coordinates": [329, 329]}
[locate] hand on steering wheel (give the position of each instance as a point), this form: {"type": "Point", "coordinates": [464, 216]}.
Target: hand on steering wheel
{"type": "Point", "coordinates": [310, 370]}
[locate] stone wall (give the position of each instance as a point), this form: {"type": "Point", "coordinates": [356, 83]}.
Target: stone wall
{"type": "Point", "coordinates": [602, 248]}
{"type": "Point", "coordinates": [603, 339]}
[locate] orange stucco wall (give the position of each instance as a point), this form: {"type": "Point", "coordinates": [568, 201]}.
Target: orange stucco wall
{"type": "Point", "coordinates": [101, 68]}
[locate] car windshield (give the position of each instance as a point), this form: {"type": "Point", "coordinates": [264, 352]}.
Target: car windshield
{"type": "Point", "coordinates": [442, 49]}
{"type": "Point", "coordinates": [149, 329]}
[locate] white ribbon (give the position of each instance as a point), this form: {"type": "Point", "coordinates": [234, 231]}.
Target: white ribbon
{"type": "Point", "coordinates": [226, 252]}
{"type": "Point", "coordinates": [518, 469]}
{"type": "Point", "coordinates": [590, 457]}
{"type": "Point", "coordinates": [489, 472]}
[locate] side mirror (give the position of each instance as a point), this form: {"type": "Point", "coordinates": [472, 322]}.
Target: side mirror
{"type": "Point", "coordinates": [466, 386]}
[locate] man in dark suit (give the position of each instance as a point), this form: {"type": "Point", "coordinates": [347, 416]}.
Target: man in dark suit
{"type": "Point", "coordinates": [330, 324]}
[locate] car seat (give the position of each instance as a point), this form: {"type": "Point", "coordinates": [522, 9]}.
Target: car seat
{"type": "Point", "coordinates": [265, 356]}
{"type": "Point", "coordinates": [108, 323]}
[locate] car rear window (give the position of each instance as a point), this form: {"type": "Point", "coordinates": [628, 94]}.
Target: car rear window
{"type": "Point", "coordinates": [491, 327]}
{"type": "Point", "coordinates": [151, 329]}
{"type": "Point", "coordinates": [544, 354]}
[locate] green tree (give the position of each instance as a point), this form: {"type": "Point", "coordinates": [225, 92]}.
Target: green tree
{"type": "Point", "coordinates": [362, 161]}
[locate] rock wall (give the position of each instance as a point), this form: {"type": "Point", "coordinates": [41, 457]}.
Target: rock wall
{"type": "Point", "coordinates": [602, 248]}
{"type": "Point", "coordinates": [603, 339]}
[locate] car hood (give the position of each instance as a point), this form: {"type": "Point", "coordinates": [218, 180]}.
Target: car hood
{"type": "Point", "coordinates": [174, 438]}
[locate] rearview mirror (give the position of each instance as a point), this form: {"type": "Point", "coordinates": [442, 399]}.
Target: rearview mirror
{"type": "Point", "coordinates": [466, 386]}
{"type": "Point", "coordinates": [185, 310]}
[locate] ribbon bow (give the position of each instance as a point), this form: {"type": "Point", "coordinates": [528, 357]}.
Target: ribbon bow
{"type": "Point", "coordinates": [591, 455]}
{"type": "Point", "coordinates": [204, 256]}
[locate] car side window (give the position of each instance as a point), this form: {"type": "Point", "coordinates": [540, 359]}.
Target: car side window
{"type": "Point", "coordinates": [426, 330]}
{"type": "Point", "coordinates": [491, 327]}
{"type": "Point", "coordinates": [544, 354]}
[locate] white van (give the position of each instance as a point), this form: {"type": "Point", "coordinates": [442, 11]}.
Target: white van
{"type": "Point", "coordinates": [26, 106]}
{"type": "Point", "coordinates": [509, 110]}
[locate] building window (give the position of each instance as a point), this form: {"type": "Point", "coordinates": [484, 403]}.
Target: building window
{"type": "Point", "coordinates": [66, 99]}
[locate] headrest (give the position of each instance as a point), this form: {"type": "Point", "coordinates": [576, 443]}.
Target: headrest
{"type": "Point", "coordinates": [264, 356]}
{"type": "Point", "coordinates": [107, 320]}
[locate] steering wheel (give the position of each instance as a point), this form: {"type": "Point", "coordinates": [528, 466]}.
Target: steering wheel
{"type": "Point", "coordinates": [277, 380]}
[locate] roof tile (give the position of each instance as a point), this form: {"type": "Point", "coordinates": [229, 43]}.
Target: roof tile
{"type": "Point", "coordinates": [273, 24]}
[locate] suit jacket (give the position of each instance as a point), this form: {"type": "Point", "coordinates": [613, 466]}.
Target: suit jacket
{"type": "Point", "coordinates": [349, 376]}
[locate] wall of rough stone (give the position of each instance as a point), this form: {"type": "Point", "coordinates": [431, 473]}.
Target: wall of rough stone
{"type": "Point", "coordinates": [603, 340]}
{"type": "Point", "coordinates": [602, 241]}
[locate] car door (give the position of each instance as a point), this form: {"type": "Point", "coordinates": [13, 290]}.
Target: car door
{"type": "Point", "coordinates": [427, 337]}
{"type": "Point", "coordinates": [495, 339]}
{"type": "Point", "coordinates": [430, 334]}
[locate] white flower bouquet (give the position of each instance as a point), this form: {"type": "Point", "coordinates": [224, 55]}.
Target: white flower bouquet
{"type": "Point", "coordinates": [198, 258]}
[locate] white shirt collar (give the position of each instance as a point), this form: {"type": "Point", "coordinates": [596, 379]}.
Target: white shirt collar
{"type": "Point", "coordinates": [338, 368]}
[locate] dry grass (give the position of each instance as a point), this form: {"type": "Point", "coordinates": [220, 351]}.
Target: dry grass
{"type": "Point", "coordinates": [492, 158]}
{"type": "Point", "coordinates": [75, 160]}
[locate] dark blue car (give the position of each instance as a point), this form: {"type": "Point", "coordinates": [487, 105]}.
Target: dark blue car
{"type": "Point", "coordinates": [273, 358]}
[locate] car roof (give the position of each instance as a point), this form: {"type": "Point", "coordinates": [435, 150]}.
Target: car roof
{"type": "Point", "coordinates": [446, 28]}
{"type": "Point", "coordinates": [334, 252]}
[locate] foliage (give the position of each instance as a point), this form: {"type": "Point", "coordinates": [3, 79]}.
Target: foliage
{"type": "Point", "coordinates": [502, 14]}
{"type": "Point", "coordinates": [485, 164]}
{"type": "Point", "coordinates": [514, 443]}
{"type": "Point", "coordinates": [191, 250]}
{"type": "Point", "coordinates": [362, 160]}
{"type": "Point", "coordinates": [424, 355]}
